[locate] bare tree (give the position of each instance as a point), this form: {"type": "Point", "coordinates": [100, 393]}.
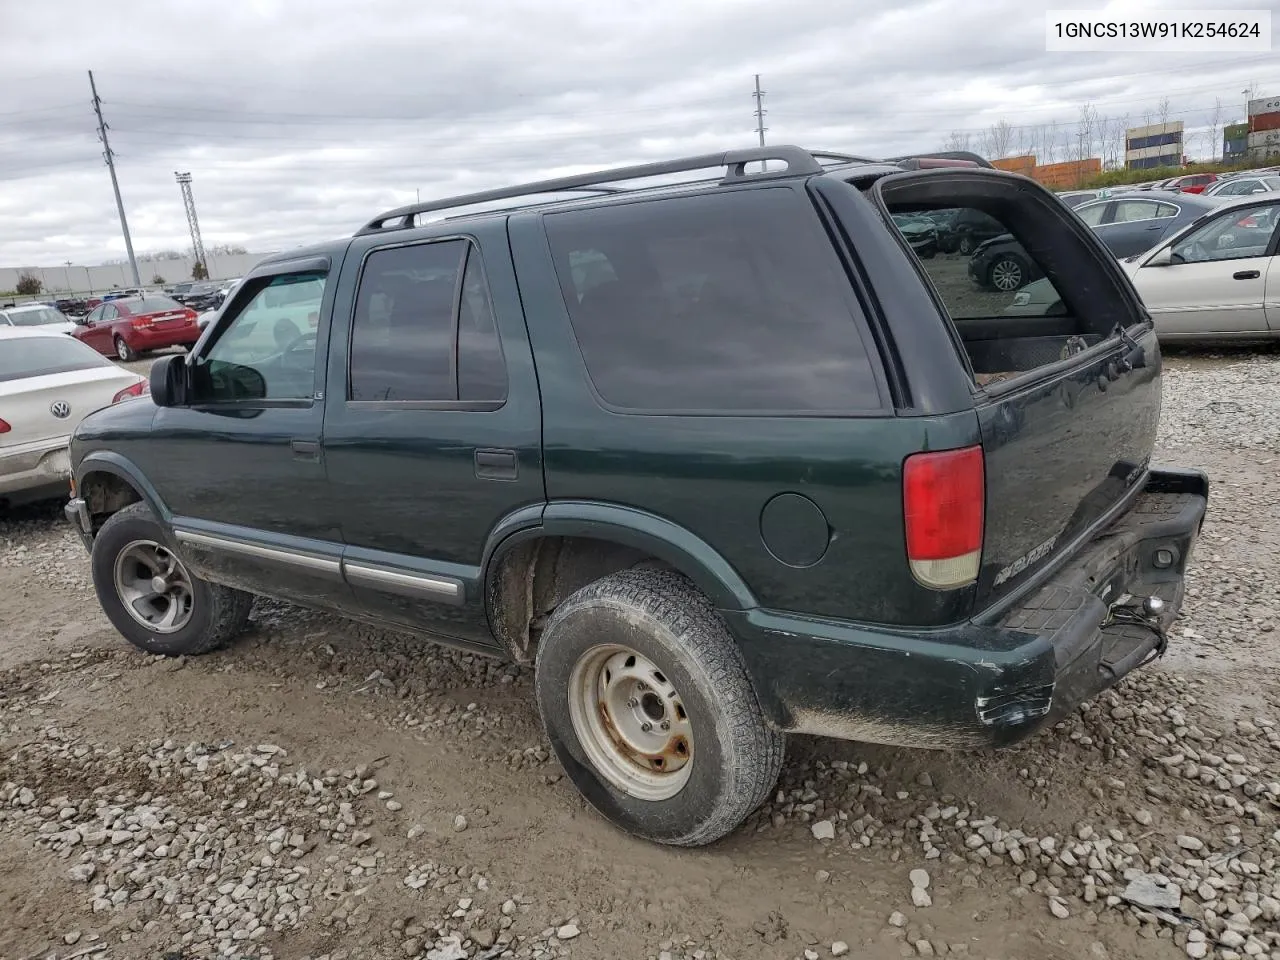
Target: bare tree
{"type": "Point", "coordinates": [1086, 130]}
{"type": "Point", "coordinates": [958, 140]}
{"type": "Point", "coordinates": [1049, 142]}
{"type": "Point", "coordinates": [1163, 109]}
{"type": "Point", "coordinates": [999, 139]}
{"type": "Point", "coordinates": [1215, 128]}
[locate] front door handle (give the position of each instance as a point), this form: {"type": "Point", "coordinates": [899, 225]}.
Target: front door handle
{"type": "Point", "coordinates": [1246, 275]}
{"type": "Point", "coordinates": [305, 449]}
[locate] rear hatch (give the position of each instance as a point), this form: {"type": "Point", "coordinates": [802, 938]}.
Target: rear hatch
{"type": "Point", "coordinates": [1067, 397]}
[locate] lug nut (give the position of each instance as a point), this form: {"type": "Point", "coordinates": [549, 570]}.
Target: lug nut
{"type": "Point", "coordinates": [666, 724]}
{"type": "Point", "coordinates": [633, 703]}
{"type": "Point", "coordinates": [646, 727]}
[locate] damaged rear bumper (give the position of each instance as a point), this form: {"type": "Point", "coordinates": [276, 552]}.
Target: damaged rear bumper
{"type": "Point", "coordinates": [990, 681]}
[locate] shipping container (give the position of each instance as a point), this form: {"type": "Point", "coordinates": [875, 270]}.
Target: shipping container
{"type": "Point", "coordinates": [1069, 174]}
{"type": "Point", "coordinates": [1234, 148]}
{"type": "Point", "coordinates": [1264, 138]}
{"type": "Point", "coordinates": [1264, 121]}
{"type": "Point", "coordinates": [1023, 164]}
{"type": "Point", "coordinates": [1235, 131]}
{"type": "Point", "coordinates": [1264, 105]}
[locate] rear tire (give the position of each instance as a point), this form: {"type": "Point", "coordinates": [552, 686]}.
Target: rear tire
{"type": "Point", "coordinates": [130, 558]}
{"type": "Point", "coordinates": [639, 647]}
{"type": "Point", "coordinates": [1008, 273]}
{"type": "Point", "coordinates": [125, 352]}
{"type": "Point", "coordinates": [966, 245]}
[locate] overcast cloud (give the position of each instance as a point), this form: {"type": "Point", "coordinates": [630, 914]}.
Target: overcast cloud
{"type": "Point", "coordinates": [300, 119]}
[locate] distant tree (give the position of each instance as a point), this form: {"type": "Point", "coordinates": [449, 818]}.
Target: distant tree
{"type": "Point", "coordinates": [1163, 108]}
{"type": "Point", "coordinates": [999, 140]}
{"type": "Point", "coordinates": [29, 285]}
{"type": "Point", "coordinates": [227, 249]}
{"type": "Point", "coordinates": [957, 141]}
{"type": "Point", "coordinates": [158, 279]}
{"type": "Point", "coordinates": [199, 272]}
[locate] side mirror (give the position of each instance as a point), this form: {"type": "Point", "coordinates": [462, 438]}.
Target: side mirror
{"type": "Point", "coordinates": [1163, 258]}
{"type": "Point", "coordinates": [169, 381]}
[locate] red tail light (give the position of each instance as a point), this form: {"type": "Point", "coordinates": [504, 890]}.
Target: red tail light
{"type": "Point", "coordinates": [137, 390]}
{"type": "Point", "coordinates": [141, 322]}
{"type": "Point", "coordinates": [4, 427]}
{"type": "Point", "coordinates": [944, 499]}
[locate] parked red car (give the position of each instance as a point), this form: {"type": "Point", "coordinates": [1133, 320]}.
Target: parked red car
{"type": "Point", "coordinates": [130, 326]}
{"type": "Point", "coordinates": [1192, 183]}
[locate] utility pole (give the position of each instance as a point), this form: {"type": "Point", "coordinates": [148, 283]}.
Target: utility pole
{"type": "Point", "coordinates": [115, 184]}
{"type": "Point", "coordinates": [189, 201]}
{"type": "Point", "coordinates": [760, 112]}
{"type": "Point", "coordinates": [68, 262]}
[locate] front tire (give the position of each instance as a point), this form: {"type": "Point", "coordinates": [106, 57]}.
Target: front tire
{"type": "Point", "coordinates": [966, 245]}
{"type": "Point", "coordinates": [125, 352]}
{"type": "Point", "coordinates": [646, 699]}
{"type": "Point", "coordinates": [151, 598]}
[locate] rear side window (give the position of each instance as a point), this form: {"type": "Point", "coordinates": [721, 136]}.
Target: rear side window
{"type": "Point", "coordinates": [725, 303]}
{"type": "Point", "coordinates": [424, 328]}
{"type": "Point", "coordinates": [22, 357]}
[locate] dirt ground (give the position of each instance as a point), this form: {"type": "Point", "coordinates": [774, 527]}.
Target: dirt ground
{"type": "Point", "coordinates": [471, 843]}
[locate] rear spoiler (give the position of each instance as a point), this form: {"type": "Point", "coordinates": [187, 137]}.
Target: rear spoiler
{"type": "Point", "coordinates": [945, 158]}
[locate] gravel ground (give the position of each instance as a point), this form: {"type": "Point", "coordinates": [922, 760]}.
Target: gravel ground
{"type": "Point", "coordinates": [324, 790]}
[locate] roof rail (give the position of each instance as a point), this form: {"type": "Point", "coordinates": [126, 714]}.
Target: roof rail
{"type": "Point", "coordinates": [918, 161]}
{"type": "Point", "coordinates": [798, 160]}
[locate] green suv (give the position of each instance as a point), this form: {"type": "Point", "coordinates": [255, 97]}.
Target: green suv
{"type": "Point", "coordinates": [722, 459]}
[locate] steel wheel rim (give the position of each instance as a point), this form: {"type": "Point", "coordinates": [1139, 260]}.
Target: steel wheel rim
{"type": "Point", "coordinates": [153, 586]}
{"type": "Point", "coordinates": [1006, 275]}
{"type": "Point", "coordinates": [614, 692]}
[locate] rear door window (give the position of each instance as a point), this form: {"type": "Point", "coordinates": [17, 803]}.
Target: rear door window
{"type": "Point", "coordinates": [724, 303]}
{"type": "Point", "coordinates": [1092, 213]}
{"type": "Point", "coordinates": [424, 329]}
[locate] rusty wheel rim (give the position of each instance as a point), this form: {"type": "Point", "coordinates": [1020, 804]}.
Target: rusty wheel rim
{"type": "Point", "coordinates": [631, 722]}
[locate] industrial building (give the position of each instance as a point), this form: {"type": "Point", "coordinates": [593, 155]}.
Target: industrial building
{"type": "Point", "coordinates": [1235, 142]}
{"type": "Point", "coordinates": [1156, 145]}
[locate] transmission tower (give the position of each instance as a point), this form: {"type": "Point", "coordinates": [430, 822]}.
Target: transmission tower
{"type": "Point", "coordinates": [189, 201]}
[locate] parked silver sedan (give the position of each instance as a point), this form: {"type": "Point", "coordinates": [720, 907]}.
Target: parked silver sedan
{"type": "Point", "coordinates": [1217, 279]}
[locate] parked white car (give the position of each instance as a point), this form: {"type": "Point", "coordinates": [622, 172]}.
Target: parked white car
{"type": "Point", "coordinates": [48, 384]}
{"type": "Point", "coordinates": [39, 315]}
{"type": "Point", "coordinates": [1243, 186]}
{"type": "Point", "coordinates": [1216, 279]}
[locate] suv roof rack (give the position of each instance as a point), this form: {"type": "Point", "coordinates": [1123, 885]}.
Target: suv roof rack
{"type": "Point", "coordinates": [798, 163]}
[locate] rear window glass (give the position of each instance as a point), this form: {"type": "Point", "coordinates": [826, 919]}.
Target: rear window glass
{"type": "Point", "coordinates": [35, 318]}
{"type": "Point", "coordinates": [22, 357]}
{"type": "Point", "coordinates": [716, 303]}
{"type": "Point", "coordinates": [151, 305]}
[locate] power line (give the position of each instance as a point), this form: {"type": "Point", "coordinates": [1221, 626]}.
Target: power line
{"type": "Point", "coordinates": [115, 184]}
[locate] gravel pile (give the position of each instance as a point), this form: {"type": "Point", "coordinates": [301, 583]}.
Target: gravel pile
{"type": "Point", "coordinates": [210, 848]}
{"type": "Point", "coordinates": [38, 539]}
{"type": "Point", "coordinates": [1187, 848]}
{"type": "Point", "coordinates": [1229, 405]}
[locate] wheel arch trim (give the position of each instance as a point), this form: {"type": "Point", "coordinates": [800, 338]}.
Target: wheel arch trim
{"type": "Point", "coordinates": [663, 539]}
{"type": "Point", "coordinates": [108, 461]}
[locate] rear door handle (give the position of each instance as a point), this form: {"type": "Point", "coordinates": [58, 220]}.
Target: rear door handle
{"type": "Point", "coordinates": [497, 465]}
{"type": "Point", "coordinates": [305, 449]}
{"type": "Point", "coordinates": [1246, 275]}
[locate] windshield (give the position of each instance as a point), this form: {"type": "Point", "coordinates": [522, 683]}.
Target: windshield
{"type": "Point", "coordinates": [38, 356]}
{"type": "Point", "coordinates": [35, 318]}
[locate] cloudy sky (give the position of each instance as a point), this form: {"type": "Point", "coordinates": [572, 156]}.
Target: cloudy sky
{"type": "Point", "coordinates": [300, 119]}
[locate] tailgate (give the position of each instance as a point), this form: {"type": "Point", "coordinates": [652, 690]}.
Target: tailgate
{"type": "Point", "coordinates": [1064, 361]}
{"type": "Point", "coordinates": [1062, 456]}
